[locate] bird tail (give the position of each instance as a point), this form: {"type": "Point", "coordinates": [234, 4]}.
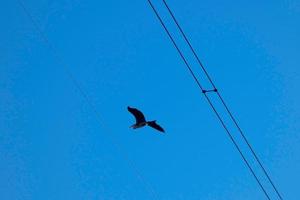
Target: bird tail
{"type": "Point", "coordinates": [150, 122]}
{"type": "Point", "coordinates": [154, 125]}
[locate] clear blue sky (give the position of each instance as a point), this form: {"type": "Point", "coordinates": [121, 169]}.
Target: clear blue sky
{"type": "Point", "coordinates": [53, 147]}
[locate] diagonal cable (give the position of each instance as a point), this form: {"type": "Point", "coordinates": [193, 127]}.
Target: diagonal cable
{"type": "Point", "coordinates": [130, 162]}
{"type": "Point", "coordinates": [222, 100]}
{"type": "Point", "coordinates": [209, 101]}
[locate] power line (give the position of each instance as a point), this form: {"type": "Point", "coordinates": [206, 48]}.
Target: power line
{"type": "Point", "coordinates": [222, 100]}
{"type": "Point", "coordinates": [44, 37]}
{"type": "Point", "coordinates": [189, 44]}
{"type": "Point", "coordinates": [207, 98]}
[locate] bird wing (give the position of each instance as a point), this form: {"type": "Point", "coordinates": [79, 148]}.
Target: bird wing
{"type": "Point", "coordinates": [154, 125]}
{"type": "Point", "coordinates": [139, 117]}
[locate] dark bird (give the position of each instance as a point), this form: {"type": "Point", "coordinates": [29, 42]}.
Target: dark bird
{"type": "Point", "coordinates": [141, 121]}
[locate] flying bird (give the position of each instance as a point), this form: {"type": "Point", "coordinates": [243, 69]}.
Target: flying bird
{"type": "Point", "coordinates": [141, 121]}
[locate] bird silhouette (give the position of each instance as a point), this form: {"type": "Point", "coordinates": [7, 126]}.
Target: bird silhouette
{"type": "Point", "coordinates": [141, 121]}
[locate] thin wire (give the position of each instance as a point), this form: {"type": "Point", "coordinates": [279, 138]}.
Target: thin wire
{"type": "Point", "coordinates": [222, 100]}
{"type": "Point", "coordinates": [44, 37]}
{"type": "Point", "coordinates": [175, 45]}
{"type": "Point", "coordinates": [250, 146]}
{"type": "Point", "coordinates": [236, 145]}
{"type": "Point", "coordinates": [207, 98]}
{"type": "Point", "coordinates": [180, 29]}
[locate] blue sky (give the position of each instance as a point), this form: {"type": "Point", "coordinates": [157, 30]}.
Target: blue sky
{"type": "Point", "coordinates": [53, 145]}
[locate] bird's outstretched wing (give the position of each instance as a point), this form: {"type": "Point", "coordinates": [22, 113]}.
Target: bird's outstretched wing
{"type": "Point", "coordinates": [139, 117]}
{"type": "Point", "coordinates": [154, 125]}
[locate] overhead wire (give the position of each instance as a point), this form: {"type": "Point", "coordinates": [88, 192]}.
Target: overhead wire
{"type": "Point", "coordinates": [222, 100]}
{"type": "Point", "coordinates": [57, 56]}
{"type": "Point", "coordinates": [208, 99]}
